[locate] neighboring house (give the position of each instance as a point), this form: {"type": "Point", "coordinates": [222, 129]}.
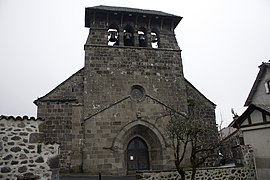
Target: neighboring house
{"type": "Point", "coordinates": [255, 121]}
{"type": "Point", "coordinates": [230, 148]}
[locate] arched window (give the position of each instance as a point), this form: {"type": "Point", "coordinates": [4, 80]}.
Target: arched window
{"type": "Point", "coordinates": [154, 39]}
{"type": "Point", "coordinates": [128, 36]}
{"type": "Point", "coordinates": [113, 35]}
{"type": "Point", "coordinates": [142, 37]}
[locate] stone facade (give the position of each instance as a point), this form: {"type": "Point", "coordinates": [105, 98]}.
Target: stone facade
{"type": "Point", "coordinates": [62, 111]}
{"type": "Point", "coordinates": [121, 94]}
{"type": "Point", "coordinates": [23, 154]}
{"type": "Point", "coordinates": [245, 172]}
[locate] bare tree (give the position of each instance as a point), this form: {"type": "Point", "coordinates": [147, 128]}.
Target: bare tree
{"type": "Point", "coordinates": [179, 135]}
{"type": "Point", "coordinates": [184, 132]}
{"type": "Point", "coordinates": [201, 150]}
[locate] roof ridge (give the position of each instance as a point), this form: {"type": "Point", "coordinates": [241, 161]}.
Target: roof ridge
{"type": "Point", "coordinates": [187, 81]}
{"type": "Point", "coordinates": [261, 72]}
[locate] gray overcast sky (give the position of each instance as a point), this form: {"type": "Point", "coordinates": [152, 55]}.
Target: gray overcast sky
{"type": "Point", "coordinates": [223, 42]}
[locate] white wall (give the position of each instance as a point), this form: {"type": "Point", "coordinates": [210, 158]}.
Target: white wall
{"type": "Point", "coordinates": [259, 139]}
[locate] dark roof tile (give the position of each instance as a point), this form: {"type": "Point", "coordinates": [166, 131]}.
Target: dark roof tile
{"type": "Point", "coordinates": [262, 67]}
{"type": "Point", "coordinates": [131, 10]}
{"type": "Point", "coordinates": [238, 121]}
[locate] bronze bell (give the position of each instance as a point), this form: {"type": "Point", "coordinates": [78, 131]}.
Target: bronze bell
{"type": "Point", "coordinates": [141, 37]}
{"type": "Point", "coordinates": [113, 36]}
{"type": "Point", "coordinates": [128, 36]}
{"type": "Point", "coordinates": [154, 38]}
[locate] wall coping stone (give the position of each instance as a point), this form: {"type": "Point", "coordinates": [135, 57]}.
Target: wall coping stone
{"type": "Point", "coordinates": [20, 118]}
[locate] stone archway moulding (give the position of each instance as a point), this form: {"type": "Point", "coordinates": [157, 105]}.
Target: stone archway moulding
{"type": "Point", "coordinates": [117, 143]}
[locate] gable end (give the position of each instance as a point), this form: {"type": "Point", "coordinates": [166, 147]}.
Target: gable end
{"type": "Point", "coordinates": [69, 90]}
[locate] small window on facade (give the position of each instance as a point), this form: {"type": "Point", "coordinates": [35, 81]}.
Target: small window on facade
{"type": "Point", "coordinates": [267, 87]}
{"type": "Point", "coordinates": [112, 37]}
{"type": "Point", "coordinates": [154, 40]}
{"type": "Point", "coordinates": [128, 36]}
{"type": "Point", "coordinates": [142, 39]}
{"type": "Point", "coordinates": [137, 93]}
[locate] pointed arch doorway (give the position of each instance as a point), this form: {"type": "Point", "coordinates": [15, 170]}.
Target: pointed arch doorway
{"type": "Point", "coordinates": [137, 155]}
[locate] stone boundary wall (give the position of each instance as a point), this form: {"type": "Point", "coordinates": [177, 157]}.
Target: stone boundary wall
{"type": "Point", "coordinates": [203, 174]}
{"type": "Point", "coordinates": [23, 155]}
{"type": "Point", "coordinates": [246, 172]}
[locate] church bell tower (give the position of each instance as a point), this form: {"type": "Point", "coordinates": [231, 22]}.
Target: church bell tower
{"type": "Point", "coordinates": [133, 71]}
{"type": "Point", "coordinates": [129, 48]}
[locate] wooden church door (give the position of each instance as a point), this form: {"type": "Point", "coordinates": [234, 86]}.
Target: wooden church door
{"type": "Point", "coordinates": [137, 155]}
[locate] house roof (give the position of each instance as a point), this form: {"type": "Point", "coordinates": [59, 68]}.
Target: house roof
{"type": "Point", "coordinates": [263, 68]}
{"type": "Point", "coordinates": [238, 121]}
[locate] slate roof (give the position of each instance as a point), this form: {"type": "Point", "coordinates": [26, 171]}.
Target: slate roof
{"type": "Point", "coordinates": [238, 121]}
{"type": "Point", "coordinates": [82, 70]}
{"type": "Point", "coordinates": [263, 68]}
{"type": "Point", "coordinates": [43, 98]}
{"type": "Point", "coordinates": [188, 83]}
{"type": "Point", "coordinates": [131, 10]}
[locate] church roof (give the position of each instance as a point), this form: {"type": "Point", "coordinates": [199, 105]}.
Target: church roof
{"type": "Point", "coordinates": [263, 68]}
{"type": "Point", "coordinates": [191, 85]}
{"type": "Point", "coordinates": [45, 97]}
{"type": "Point", "coordinates": [131, 10]}
{"type": "Point", "coordinates": [90, 11]}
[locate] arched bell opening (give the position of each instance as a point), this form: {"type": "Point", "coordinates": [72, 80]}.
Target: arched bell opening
{"type": "Point", "coordinates": [142, 37]}
{"type": "Point", "coordinates": [128, 36]}
{"type": "Point", "coordinates": [113, 35]}
{"type": "Point", "coordinates": [154, 39]}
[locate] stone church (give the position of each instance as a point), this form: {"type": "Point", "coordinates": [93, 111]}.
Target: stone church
{"type": "Point", "coordinates": [109, 116]}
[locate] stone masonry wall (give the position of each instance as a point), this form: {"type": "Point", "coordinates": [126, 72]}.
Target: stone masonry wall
{"type": "Point", "coordinates": [22, 152]}
{"type": "Point", "coordinates": [61, 109]}
{"type": "Point", "coordinates": [59, 126]}
{"type": "Point", "coordinates": [203, 111]}
{"type": "Point", "coordinates": [246, 172]}
{"type": "Point", "coordinates": [110, 72]}
{"type": "Point", "coordinates": [107, 136]}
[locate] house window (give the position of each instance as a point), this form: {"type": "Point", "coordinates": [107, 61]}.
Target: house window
{"type": "Point", "coordinates": [267, 87]}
